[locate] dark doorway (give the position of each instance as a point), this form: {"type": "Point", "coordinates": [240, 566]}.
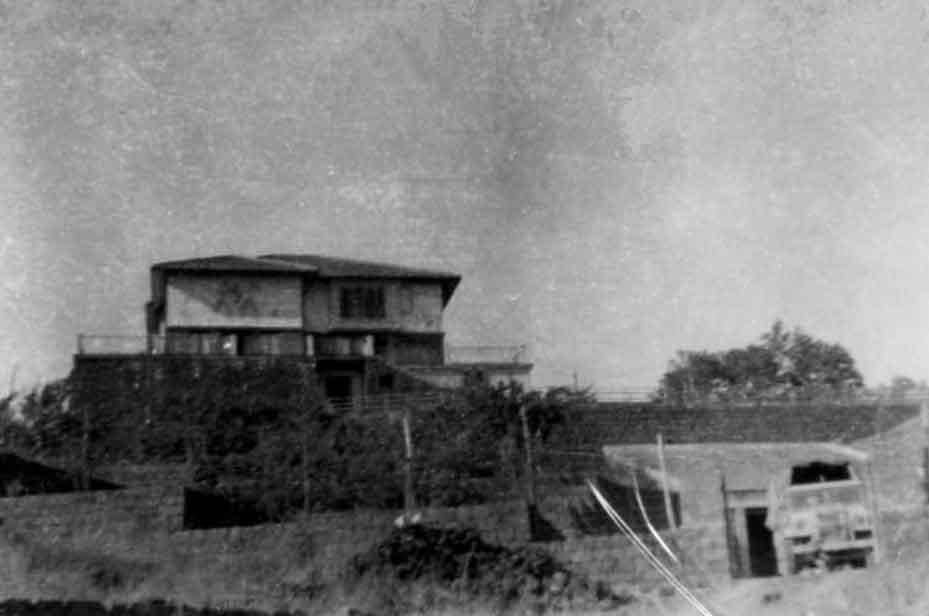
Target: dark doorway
{"type": "Point", "coordinates": [339, 386]}
{"type": "Point", "coordinates": [761, 555]}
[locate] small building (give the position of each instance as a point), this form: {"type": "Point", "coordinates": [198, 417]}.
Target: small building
{"type": "Point", "coordinates": [727, 484]}
{"type": "Point", "coordinates": [367, 328]}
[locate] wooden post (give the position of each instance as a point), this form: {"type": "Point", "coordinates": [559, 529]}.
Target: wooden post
{"type": "Point", "coordinates": [731, 548]}
{"type": "Point", "coordinates": [666, 490]}
{"type": "Point", "coordinates": [305, 468]}
{"type": "Point", "coordinates": [530, 472]}
{"type": "Point", "coordinates": [85, 447]}
{"type": "Point", "coordinates": [306, 403]}
{"type": "Point", "coordinates": [409, 498]}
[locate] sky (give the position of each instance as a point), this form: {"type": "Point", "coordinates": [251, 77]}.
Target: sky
{"type": "Point", "coordinates": [615, 181]}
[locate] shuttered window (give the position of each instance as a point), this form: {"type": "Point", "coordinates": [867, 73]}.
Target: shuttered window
{"type": "Point", "coordinates": [362, 303]}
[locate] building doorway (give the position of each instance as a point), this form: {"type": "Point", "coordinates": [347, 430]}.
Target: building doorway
{"type": "Point", "coordinates": [339, 387]}
{"type": "Point", "coordinates": [762, 558]}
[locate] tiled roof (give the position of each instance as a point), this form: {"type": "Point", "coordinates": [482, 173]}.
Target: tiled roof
{"type": "Point", "coordinates": [335, 267]}
{"type": "Point", "coordinates": [234, 263]}
{"type": "Point", "coordinates": [318, 265]}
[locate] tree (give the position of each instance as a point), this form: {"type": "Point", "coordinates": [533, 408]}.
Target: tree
{"type": "Point", "coordinates": [783, 365]}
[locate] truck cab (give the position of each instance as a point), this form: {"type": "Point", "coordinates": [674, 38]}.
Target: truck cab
{"type": "Point", "coordinates": [825, 520]}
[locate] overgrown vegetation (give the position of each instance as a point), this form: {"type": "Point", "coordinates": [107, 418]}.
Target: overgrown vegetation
{"type": "Point", "coordinates": [784, 365]}
{"type": "Point", "coordinates": [261, 433]}
{"type": "Point", "coordinates": [461, 568]}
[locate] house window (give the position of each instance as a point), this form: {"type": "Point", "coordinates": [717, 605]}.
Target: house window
{"type": "Point", "coordinates": [362, 303]}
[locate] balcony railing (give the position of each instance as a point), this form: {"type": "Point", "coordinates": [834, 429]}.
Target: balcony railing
{"type": "Point", "coordinates": [95, 344]}
{"type": "Point", "coordinates": [485, 354]}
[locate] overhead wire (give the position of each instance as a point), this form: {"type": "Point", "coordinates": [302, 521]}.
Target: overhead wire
{"type": "Point", "coordinates": [653, 560]}
{"type": "Point", "coordinates": [648, 523]}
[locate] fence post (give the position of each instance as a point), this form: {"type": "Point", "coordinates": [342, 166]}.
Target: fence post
{"type": "Point", "coordinates": [409, 499]}
{"type": "Point", "coordinates": [530, 471]}
{"type": "Point", "coordinates": [666, 490]}
{"type": "Point", "coordinates": [305, 468]}
{"type": "Point", "coordinates": [85, 447]}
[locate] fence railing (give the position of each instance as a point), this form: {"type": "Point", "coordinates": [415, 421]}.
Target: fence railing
{"type": "Point", "coordinates": [385, 403]}
{"type": "Point", "coordinates": [625, 395]}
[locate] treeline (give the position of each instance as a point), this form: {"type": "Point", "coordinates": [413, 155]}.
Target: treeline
{"type": "Point", "coordinates": [783, 365]}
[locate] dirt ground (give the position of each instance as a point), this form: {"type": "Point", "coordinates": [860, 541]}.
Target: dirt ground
{"type": "Point", "coordinates": [893, 589]}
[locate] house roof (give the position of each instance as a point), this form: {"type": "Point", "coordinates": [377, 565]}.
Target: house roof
{"type": "Point", "coordinates": [233, 263]}
{"type": "Point", "coordinates": [746, 466]}
{"type": "Point", "coordinates": [337, 267]}
{"type": "Point", "coordinates": [310, 264]}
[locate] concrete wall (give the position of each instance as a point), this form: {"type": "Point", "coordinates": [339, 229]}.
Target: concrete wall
{"type": "Point", "coordinates": [316, 306]}
{"type": "Point", "coordinates": [230, 300]}
{"type": "Point", "coordinates": [613, 558]}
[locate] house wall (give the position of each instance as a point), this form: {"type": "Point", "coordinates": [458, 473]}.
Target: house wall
{"type": "Point", "coordinates": [316, 306]}
{"type": "Point", "coordinates": [229, 300]}
{"type": "Point", "coordinates": [409, 306]}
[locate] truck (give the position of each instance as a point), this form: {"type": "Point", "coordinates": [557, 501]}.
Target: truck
{"type": "Point", "coordinates": [822, 519]}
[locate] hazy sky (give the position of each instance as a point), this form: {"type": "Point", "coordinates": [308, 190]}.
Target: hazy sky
{"type": "Point", "coordinates": [615, 181]}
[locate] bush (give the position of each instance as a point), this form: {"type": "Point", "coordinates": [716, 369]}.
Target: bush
{"type": "Point", "coordinates": [460, 566]}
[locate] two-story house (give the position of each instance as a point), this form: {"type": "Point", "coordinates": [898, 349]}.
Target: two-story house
{"type": "Point", "coordinates": [366, 326]}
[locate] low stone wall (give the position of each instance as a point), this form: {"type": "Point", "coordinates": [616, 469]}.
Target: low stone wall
{"type": "Point", "coordinates": [615, 560]}
{"type": "Point", "coordinates": [154, 509]}
{"type": "Point", "coordinates": [327, 542]}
